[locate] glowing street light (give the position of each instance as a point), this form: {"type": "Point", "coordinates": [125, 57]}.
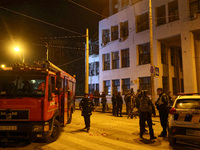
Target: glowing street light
{"type": "Point", "coordinates": [3, 66]}
{"type": "Point", "coordinates": [17, 49]}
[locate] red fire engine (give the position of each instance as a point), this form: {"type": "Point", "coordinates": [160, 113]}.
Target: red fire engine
{"type": "Point", "coordinates": [35, 101]}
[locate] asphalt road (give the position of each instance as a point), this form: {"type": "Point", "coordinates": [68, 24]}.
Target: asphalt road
{"type": "Point", "coordinates": [107, 133]}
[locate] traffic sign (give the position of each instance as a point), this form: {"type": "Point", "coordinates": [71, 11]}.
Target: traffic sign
{"type": "Point", "coordinates": [152, 69]}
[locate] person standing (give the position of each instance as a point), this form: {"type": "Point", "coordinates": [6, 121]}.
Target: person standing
{"type": "Point", "coordinates": [161, 104]}
{"type": "Point", "coordinates": [146, 109]}
{"type": "Point", "coordinates": [127, 99]}
{"type": "Point", "coordinates": [119, 104]}
{"type": "Point", "coordinates": [103, 101]}
{"type": "Point", "coordinates": [114, 103]}
{"type": "Point", "coordinates": [86, 106]}
{"type": "Point", "coordinates": [96, 98]}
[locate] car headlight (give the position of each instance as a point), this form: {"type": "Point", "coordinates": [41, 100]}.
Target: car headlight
{"type": "Point", "coordinates": [37, 128]}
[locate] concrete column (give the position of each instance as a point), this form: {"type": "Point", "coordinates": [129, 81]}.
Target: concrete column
{"type": "Point", "coordinates": [189, 63]}
{"type": "Point", "coordinates": [197, 58]}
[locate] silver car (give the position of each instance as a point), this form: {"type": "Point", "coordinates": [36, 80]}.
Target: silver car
{"type": "Point", "coordinates": [184, 118]}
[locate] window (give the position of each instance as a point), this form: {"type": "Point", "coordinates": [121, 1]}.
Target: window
{"type": "Point", "coordinates": [106, 60]}
{"type": "Point", "coordinates": [194, 6]}
{"type": "Point", "coordinates": [125, 2]}
{"type": "Point", "coordinates": [115, 85]}
{"type": "Point", "coordinates": [144, 53]}
{"type": "Point", "coordinates": [97, 68]}
{"type": "Point", "coordinates": [173, 11]}
{"type": "Point", "coordinates": [94, 48]}
{"type": "Point", "coordinates": [125, 58]}
{"type": "Point", "coordinates": [97, 87]}
{"type": "Point", "coordinates": [163, 54]}
{"type": "Point", "coordinates": [145, 84]}
{"type": "Point", "coordinates": [125, 85]}
{"type": "Point", "coordinates": [91, 88]}
{"type": "Point", "coordinates": [115, 60]}
{"type": "Point", "coordinates": [142, 22]}
{"type": "Point", "coordinates": [161, 15]}
{"type": "Point", "coordinates": [165, 82]}
{"type": "Point", "coordinates": [91, 69]}
{"type": "Point", "coordinates": [124, 32]}
{"type": "Point", "coordinates": [115, 33]}
{"type": "Point", "coordinates": [107, 87]}
{"type": "Point", "coordinates": [187, 104]}
{"type": "Point", "coordinates": [106, 36]}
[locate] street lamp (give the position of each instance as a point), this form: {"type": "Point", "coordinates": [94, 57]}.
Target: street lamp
{"type": "Point", "coordinates": [3, 66]}
{"type": "Point", "coordinates": [17, 49]}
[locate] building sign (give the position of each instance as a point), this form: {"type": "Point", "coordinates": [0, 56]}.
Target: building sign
{"type": "Point", "coordinates": [156, 71]}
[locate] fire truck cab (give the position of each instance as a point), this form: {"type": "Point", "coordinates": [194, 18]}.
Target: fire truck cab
{"type": "Point", "coordinates": [35, 101]}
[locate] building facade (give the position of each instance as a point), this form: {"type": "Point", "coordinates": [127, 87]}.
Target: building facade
{"type": "Point", "coordinates": [94, 66]}
{"type": "Point", "coordinates": [124, 46]}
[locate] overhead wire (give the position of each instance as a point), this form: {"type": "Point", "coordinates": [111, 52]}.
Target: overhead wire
{"type": "Point", "coordinates": [39, 20]}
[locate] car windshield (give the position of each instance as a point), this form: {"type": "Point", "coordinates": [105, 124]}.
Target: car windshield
{"type": "Point", "coordinates": [22, 84]}
{"type": "Point", "coordinates": [188, 104]}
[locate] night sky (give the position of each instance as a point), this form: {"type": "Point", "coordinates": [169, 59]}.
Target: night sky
{"type": "Point", "coordinates": [32, 35]}
{"type": "Point", "coordinates": [14, 27]}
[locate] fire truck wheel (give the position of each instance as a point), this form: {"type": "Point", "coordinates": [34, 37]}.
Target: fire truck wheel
{"type": "Point", "coordinates": [70, 118]}
{"type": "Point", "coordinates": [55, 133]}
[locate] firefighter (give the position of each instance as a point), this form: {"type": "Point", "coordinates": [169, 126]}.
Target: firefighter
{"type": "Point", "coordinates": [146, 109]}
{"type": "Point", "coordinates": [86, 106]}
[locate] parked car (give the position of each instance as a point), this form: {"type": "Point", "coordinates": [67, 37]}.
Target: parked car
{"type": "Point", "coordinates": [184, 118]}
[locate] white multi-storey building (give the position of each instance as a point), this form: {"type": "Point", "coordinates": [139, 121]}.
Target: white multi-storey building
{"type": "Point", "coordinates": [124, 49]}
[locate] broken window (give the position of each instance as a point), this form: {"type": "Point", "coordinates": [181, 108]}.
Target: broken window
{"type": "Point", "coordinates": [106, 36]}
{"type": "Point", "coordinates": [160, 15]}
{"type": "Point", "coordinates": [173, 11]}
{"type": "Point", "coordinates": [125, 85]}
{"type": "Point", "coordinates": [125, 58]}
{"type": "Point", "coordinates": [144, 53]}
{"type": "Point", "coordinates": [115, 33]}
{"type": "Point", "coordinates": [115, 85]}
{"type": "Point", "coordinates": [124, 32]}
{"type": "Point", "coordinates": [115, 60]}
{"type": "Point", "coordinates": [142, 22]}
{"type": "Point", "coordinates": [106, 60]}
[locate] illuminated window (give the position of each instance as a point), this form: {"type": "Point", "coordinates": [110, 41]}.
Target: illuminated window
{"type": "Point", "coordinates": [106, 60]}
{"type": "Point", "coordinates": [125, 58]}
{"type": "Point", "coordinates": [161, 15]}
{"type": "Point", "coordinates": [114, 33]}
{"type": "Point", "coordinates": [125, 85]}
{"type": "Point", "coordinates": [115, 60]}
{"type": "Point", "coordinates": [173, 11]}
{"type": "Point", "coordinates": [142, 22]}
{"type": "Point", "coordinates": [144, 53]}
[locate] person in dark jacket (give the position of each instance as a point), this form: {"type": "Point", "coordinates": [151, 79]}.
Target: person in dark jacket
{"type": "Point", "coordinates": [114, 103]}
{"type": "Point", "coordinates": [161, 104]}
{"type": "Point", "coordinates": [86, 106]}
{"type": "Point", "coordinates": [119, 104]}
{"type": "Point", "coordinates": [146, 109]}
{"type": "Point", "coordinates": [103, 101]}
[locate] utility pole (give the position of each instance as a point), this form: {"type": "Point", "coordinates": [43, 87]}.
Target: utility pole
{"type": "Point", "coordinates": [87, 61]}
{"type": "Point", "coordinates": [151, 50]}
{"type": "Point", "coordinates": [47, 53]}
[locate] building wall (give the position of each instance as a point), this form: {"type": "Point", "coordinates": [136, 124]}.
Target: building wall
{"type": "Point", "coordinates": [178, 33]}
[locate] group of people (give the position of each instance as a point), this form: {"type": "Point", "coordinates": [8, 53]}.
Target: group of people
{"type": "Point", "coordinates": [141, 101]}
